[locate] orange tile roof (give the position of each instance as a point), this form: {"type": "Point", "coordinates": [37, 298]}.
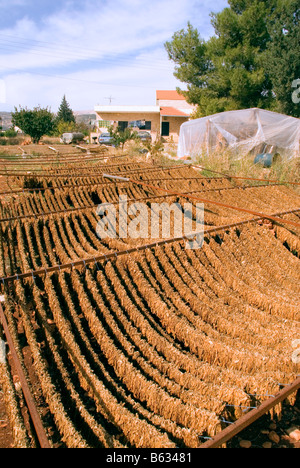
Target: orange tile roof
{"type": "Point", "coordinates": [172, 112]}
{"type": "Point", "coordinates": [169, 95]}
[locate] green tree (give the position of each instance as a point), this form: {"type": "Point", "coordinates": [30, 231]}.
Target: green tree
{"type": "Point", "coordinates": [228, 71]}
{"type": "Point", "coordinates": [35, 123]}
{"type": "Point", "coordinates": [192, 65]}
{"type": "Point", "coordinates": [65, 112]}
{"type": "Point", "coordinates": [154, 148]}
{"type": "Point", "coordinates": [64, 127]}
{"type": "Point", "coordinates": [282, 55]}
{"type": "Point", "coordinates": [120, 137]}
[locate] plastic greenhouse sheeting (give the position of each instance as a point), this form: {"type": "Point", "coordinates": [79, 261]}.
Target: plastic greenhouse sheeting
{"type": "Point", "coordinates": [248, 131]}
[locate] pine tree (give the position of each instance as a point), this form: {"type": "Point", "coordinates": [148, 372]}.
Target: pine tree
{"type": "Point", "coordinates": [282, 55]}
{"type": "Point", "coordinates": [228, 71]}
{"type": "Point", "coordinates": [65, 112]}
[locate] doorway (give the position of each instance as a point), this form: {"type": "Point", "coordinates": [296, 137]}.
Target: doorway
{"type": "Point", "coordinates": [165, 129]}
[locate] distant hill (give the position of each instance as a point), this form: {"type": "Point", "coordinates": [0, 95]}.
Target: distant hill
{"type": "Point", "coordinates": [84, 116]}
{"type": "Point", "coordinates": [88, 117]}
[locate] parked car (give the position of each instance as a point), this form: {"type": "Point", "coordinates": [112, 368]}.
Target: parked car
{"type": "Point", "coordinates": [144, 136]}
{"type": "Point", "coordinates": [105, 139]}
{"type": "Point", "coordinates": [69, 138]}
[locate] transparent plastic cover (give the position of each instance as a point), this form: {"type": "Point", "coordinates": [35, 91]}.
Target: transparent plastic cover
{"type": "Point", "coordinates": [253, 131]}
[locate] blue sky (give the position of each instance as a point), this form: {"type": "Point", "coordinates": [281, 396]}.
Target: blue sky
{"type": "Point", "coordinates": [92, 51]}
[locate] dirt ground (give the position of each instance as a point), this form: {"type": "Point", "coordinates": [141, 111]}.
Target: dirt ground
{"type": "Point", "coordinates": [266, 433]}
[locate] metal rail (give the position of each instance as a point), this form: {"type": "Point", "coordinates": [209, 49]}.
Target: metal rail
{"type": "Point", "coordinates": [212, 202]}
{"type": "Point", "coordinates": [35, 417]}
{"type": "Point", "coordinates": [71, 154]}
{"type": "Point", "coordinates": [61, 158]}
{"type": "Point", "coordinates": [97, 168]}
{"type": "Point", "coordinates": [25, 190]}
{"type": "Point", "coordinates": [91, 184]}
{"type": "Point", "coordinates": [251, 417]}
{"type": "Point", "coordinates": [114, 255]}
{"type": "Point", "coordinates": [95, 174]}
{"type": "Point", "coordinates": [87, 207]}
{"type": "Point", "coordinates": [37, 161]}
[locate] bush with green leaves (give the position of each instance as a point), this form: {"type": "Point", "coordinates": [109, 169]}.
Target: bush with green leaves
{"type": "Point", "coordinates": [36, 123]}
{"type": "Point", "coordinates": [120, 137]}
{"type": "Point", "coordinates": [10, 133]}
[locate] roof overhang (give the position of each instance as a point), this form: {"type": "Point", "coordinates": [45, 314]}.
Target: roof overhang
{"type": "Point", "coordinates": [172, 112]}
{"type": "Point", "coordinates": [127, 109]}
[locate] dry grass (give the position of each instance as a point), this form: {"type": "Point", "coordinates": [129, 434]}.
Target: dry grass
{"type": "Point", "coordinates": [226, 162]}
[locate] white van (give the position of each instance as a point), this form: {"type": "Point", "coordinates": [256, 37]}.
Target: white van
{"type": "Point", "coordinates": [69, 138]}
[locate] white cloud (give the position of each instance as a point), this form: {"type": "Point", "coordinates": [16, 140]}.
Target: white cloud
{"type": "Point", "coordinates": [85, 89]}
{"type": "Point", "coordinates": [112, 43]}
{"type": "Point", "coordinates": [72, 37]}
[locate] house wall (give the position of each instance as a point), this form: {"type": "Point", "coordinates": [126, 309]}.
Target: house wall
{"type": "Point", "coordinates": [175, 123]}
{"type": "Point", "coordinates": [154, 118]}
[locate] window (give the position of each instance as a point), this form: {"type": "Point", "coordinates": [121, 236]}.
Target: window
{"type": "Point", "coordinates": [122, 125]}
{"type": "Point", "coordinates": [104, 123]}
{"type": "Point", "coordinates": [140, 124]}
